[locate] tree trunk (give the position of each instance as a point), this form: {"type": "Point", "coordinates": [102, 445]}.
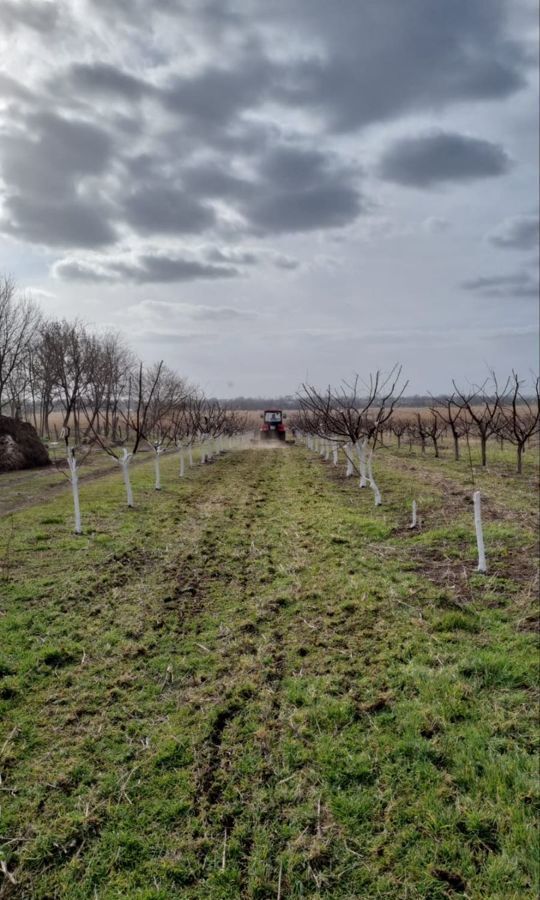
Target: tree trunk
{"type": "Point", "coordinates": [456, 447]}
{"type": "Point", "coordinates": [483, 445]}
{"type": "Point", "coordinates": [520, 449]}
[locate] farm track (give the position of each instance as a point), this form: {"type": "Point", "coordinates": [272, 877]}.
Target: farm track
{"type": "Point", "coordinates": [258, 692]}
{"type": "Point", "coordinates": [18, 484]}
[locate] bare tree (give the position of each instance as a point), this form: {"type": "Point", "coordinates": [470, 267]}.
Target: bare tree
{"type": "Point", "coordinates": [19, 321]}
{"type": "Point", "coordinates": [451, 414]}
{"type": "Point", "coordinates": [139, 420]}
{"type": "Point", "coordinates": [71, 353]}
{"type": "Point", "coordinates": [520, 417]}
{"type": "Point", "coordinates": [398, 426]}
{"type": "Point", "coordinates": [351, 419]}
{"type": "Point", "coordinates": [483, 409]}
{"type": "Point", "coordinates": [434, 429]}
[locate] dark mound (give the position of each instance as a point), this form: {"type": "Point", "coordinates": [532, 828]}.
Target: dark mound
{"type": "Point", "coordinates": [20, 446]}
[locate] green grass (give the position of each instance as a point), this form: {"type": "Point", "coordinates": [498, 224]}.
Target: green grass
{"type": "Point", "coordinates": [256, 675]}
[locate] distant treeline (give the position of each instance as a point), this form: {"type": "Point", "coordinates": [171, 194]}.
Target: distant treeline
{"type": "Point", "coordinates": [417, 401]}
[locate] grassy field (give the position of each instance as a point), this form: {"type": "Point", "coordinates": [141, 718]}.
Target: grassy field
{"type": "Point", "coordinates": [255, 684]}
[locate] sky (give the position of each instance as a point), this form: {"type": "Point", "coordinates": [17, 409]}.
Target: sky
{"type": "Point", "coordinates": [263, 193]}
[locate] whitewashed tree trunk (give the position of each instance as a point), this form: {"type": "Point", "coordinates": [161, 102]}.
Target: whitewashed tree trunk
{"type": "Point", "coordinates": [158, 451]}
{"type": "Point", "coordinates": [482, 564]}
{"type": "Point", "coordinates": [190, 456]}
{"type": "Point", "coordinates": [124, 462]}
{"type": "Point", "coordinates": [360, 447]}
{"type": "Point", "coordinates": [349, 472]}
{"type": "Point", "coordinates": [327, 451]}
{"type": "Point", "coordinates": [413, 520]}
{"type": "Point", "coordinates": [182, 464]}
{"type": "Point", "coordinates": [372, 483]}
{"type": "Point", "coordinates": [74, 478]}
{"type": "Point", "coordinates": [335, 455]}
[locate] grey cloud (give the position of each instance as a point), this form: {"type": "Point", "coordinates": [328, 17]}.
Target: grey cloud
{"type": "Point", "coordinates": [285, 262]}
{"type": "Point", "coordinates": [66, 222]}
{"type": "Point", "coordinates": [240, 257]}
{"type": "Point", "coordinates": [34, 14]}
{"type": "Point", "coordinates": [516, 233]}
{"type": "Point", "coordinates": [517, 284]}
{"type": "Point", "coordinates": [300, 190]}
{"type": "Point", "coordinates": [441, 157]}
{"type": "Point", "coordinates": [51, 153]}
{"type": "Point", "coordinates": [313, 208]}
{"type": "Point", "coordinates": [168, 269]}
{"type": "Point", "coordinates": [220, 313]}
{"type": "Point", "coordinates": [216, 94]}
{"type": "Point", "coordinates": [78, 270]}
{"type": "Point", "coordinates": [159, 208]}
{"type": "Point", "coordinates": [143, 269]}
{"type": "Point", "coordinates": [9, 87]}
{"type": "Point", "coordinates": [44, 171]}
{"type": "Point", "coordinates": [355, 63]}
{"type": "Point", "coordinates": [212, 180]}
{"type": "Point", "coordinates": [374, 61]}
{"type": "Point", "coordinates": [105, 80]}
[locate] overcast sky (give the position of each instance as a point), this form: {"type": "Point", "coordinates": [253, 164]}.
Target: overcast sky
{"type": "Point", "coordinates": [264, 191]}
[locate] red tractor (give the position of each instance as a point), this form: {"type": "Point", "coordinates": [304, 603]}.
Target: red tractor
{"type": "Point", "coordinates": [273, 427]}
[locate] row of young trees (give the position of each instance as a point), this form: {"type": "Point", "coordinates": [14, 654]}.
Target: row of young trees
{"type": "Point", "coordinates": [94, 385]}
{"type": "Point", "coordinates": [48, 365]}
{"type": "Point", "coordinates": [482, 413]}
{"type": "Point", "coordinates": [356, 416]}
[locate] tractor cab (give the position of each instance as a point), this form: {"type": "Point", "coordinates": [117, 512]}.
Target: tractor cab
{"type": "Point", "coordinates": [272, 426]}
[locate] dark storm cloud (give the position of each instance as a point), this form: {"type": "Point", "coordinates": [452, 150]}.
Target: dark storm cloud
{"type": "Point", "coordinates": [104, 80]}
{"type": "Point", "coordinates": [215, 95]}
{"type": "Point", "coordinates": [213, 180]}
{"type": "Point", "coordinates": [44, 170]}
{"type": "Point", "coordinates": [237, 94]}
{"type": "Point", "coordinates": [441, 157]}
{"type": "Point", "coordinates": [300, 189]}
{"type": "Point", "coordinates": [64, 222]}
{"type": "Point", "coordinates": [160, 208]}
{"type": "Point", "coordinates": [353, 63]}
{"type": "Point", "coordinates": [516, 233]}
{"type": "Point", "coordinates": [517, 284]}
{"type": "Point", "coordinates": [51, 152]}
{"type": "Point", "coordinates": [374, 61]}
{"type": "Point", "coordinates": [34, 14]}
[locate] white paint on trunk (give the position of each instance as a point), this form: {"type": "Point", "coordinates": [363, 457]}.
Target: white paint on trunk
{"type": "Point", "coordinates": [190, 455]}
{"type": "Point", "coordinates": [124, 462]}
{"type": "Point", "coordinates": [182, 464]}
{"type": "Point", "coordinates": [158, 449]}
{"type": "Point", "coordinates": [372, 483]}
{"type": "Point", "coordinates": [482, 564]}
{"type": "Point", "coordinates": [335, 456]}
{"type": "Point", "coordinates": [413, 520]}
{"type": "Point", "coordinates": [360, 447]}
{"type": "Point", "coordinates": [74, 478]}
{"type": "Point", "coordinates": [349, 472]}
